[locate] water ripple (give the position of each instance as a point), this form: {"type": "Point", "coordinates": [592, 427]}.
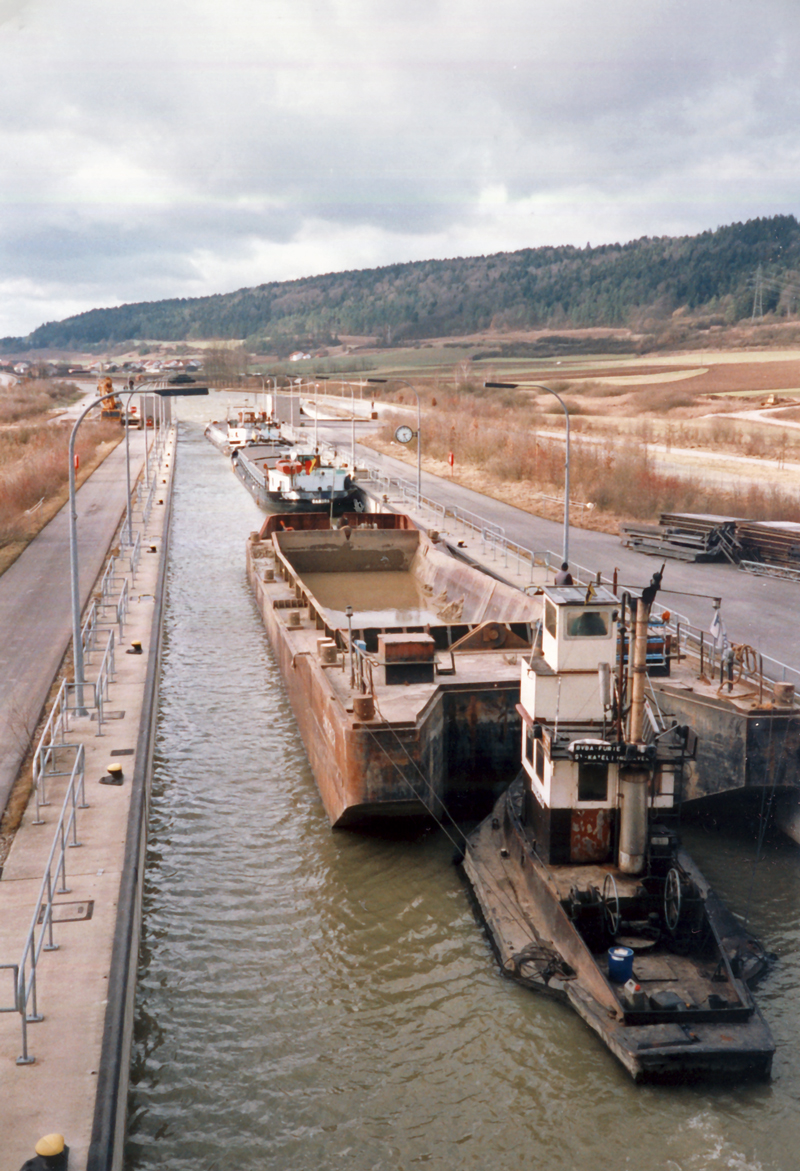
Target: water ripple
{"type": "Point", "coordinates": [313, 999]}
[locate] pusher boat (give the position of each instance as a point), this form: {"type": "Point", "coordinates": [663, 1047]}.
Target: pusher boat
{"type": "Point", "coordinates": [579, 874]}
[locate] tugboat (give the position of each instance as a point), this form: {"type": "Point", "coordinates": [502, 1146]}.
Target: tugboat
{"type": "Point", "coordinates": [579, 874]}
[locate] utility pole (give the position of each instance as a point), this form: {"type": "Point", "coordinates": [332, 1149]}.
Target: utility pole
{"type": "Point", "coordinates": [758, 296]}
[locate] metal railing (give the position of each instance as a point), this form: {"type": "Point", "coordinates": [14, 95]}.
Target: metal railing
{"type": "Point", "coordinates": [46, 758]}
{"type": "Point", "coordinates": [108, 583]}
{"type": "Point", "coordinates": [122, 607]}
{"type": "Point", "coordinates": [492, 535]}
{"type": "Point", "coordinates": [690, 639]}
{"type": "Point", "coordinates": [92, 625]}
{"type": "Point", "coordinates": [40, 932]}
{"type": "Point", "coordinates": [148, 507]}
{"type": "Point", "coordinates": [105, 677]}
{"type": "Point", "coordinates": [89, 630]}
{"type": "Point", "coordinates": [55, 757]}
{"type": "Point", "coordinates": [687, 637]}
{"type": "Point", "coordinates": [136, 553]}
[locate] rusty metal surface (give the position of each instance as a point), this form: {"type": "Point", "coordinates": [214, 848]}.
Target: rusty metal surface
{"type": "Point", "coordinates": [481, 598]}
{"type": "Point", "coordinates": [365, 550]}
{"type": "Point", "coordinates": [521, 903]}
{"type": "Point", "coordinates": [590, 834]}
{"type": "Point", "coordinates": [490, 636]}
{"type": "Point", "coordinates": [307, 522]}
{"type": "Point", "coordinates": [427, 741]}
{"type": "Point", "coordinates": [402, 648]}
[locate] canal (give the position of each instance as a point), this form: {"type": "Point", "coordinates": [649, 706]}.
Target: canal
{"type": "Point", "coordinates": [311, 999]}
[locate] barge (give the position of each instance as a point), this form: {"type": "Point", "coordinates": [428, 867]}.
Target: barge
{"type": "Point", "coordinates": [578, 871]}
{"type": "Point", "coordinates": [748, 729]}
{"type": "Point", "coordinates": [296, 481]}
{"type": "Point", "coordinates": [401, 663]}
{"type": "Point", "coordinates": [246, 427]}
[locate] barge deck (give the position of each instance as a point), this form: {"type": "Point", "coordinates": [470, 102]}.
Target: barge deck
{"type": "Point", "coordinates": [409, 701]}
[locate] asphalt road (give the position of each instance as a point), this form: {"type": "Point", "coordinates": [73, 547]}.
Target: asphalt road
{"type": "Point", "coordinates": [761, 612]}
{"type": "Point", "coordinates": [35, 604]}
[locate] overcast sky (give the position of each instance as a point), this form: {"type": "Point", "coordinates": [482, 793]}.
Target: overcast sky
{"type": "Point", "coordinates": [159, 148]}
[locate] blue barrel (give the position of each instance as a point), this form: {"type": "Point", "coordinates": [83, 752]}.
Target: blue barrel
{"type": "Point", "coordinates": [620, 964]}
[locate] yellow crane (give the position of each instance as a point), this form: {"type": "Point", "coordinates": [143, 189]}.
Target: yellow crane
{"type": "Point", "coordinates": [111, 407]}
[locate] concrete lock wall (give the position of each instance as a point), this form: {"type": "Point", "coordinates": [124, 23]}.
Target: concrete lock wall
{"type": "Point", "coordinates": [108, 1127]}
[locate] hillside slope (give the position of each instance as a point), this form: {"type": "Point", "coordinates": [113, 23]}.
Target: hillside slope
{"type": "Point", "coordinates": [638, 283]}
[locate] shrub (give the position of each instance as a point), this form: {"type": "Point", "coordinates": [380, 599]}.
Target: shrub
{"type": "Point", "coordinates": [34, 467]}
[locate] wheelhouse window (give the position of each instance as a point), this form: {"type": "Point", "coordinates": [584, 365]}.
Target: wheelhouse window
{"type": "Point", "coordinates": [592, 782]}
{"type": "Point", "coordinates": [530, 744]}
{"type": "Point", "coordinates": [588, 623]}
{"type": "Point", "coordinates": [538, 765]}
{"type": "Point", "coordinates": [549, 617]}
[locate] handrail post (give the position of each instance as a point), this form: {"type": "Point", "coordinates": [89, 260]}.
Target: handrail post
{"type": "Point", "coordinates": [50, 945]}
{"type": "Point", "coordinates": [63, 889]}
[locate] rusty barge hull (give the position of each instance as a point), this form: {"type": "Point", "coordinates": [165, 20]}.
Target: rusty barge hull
{"type": "Point", "coordinates": [739, 747]}
{"type": "Point", "coordinates": [743, 751]}
{"type": "Point", "coordinates": [413, 734]}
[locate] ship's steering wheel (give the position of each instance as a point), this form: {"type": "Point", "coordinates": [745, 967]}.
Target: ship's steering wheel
{"type": "Point", "coordinates": [610, 905]}
{"type": "Point", "coordinates": [672, 899]}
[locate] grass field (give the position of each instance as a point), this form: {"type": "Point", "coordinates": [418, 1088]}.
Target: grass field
{"type": "Point", "coordinates": [505, 442]}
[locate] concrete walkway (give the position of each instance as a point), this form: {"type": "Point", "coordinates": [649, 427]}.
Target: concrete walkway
{"type": "Point", "coordinates": [35, 605]}
{"type": "Point", "coordinates": [76, 1084]}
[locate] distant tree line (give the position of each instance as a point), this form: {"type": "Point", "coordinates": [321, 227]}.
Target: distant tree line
{"type": "Point", "coordinates": [635, 284]}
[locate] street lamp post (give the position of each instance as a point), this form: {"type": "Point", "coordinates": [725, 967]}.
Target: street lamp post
{"type": "Point", "coordinates": [143, 419]}
{"type": "Point", "coordinates": [418, 431]}
{"type": "Point", "coordinates": [326, 378]}
{"type": "Point", "coordinates": [352, 424]}
{"type": "Point", "coordinates": [265, 378]}
{"type": "Point", "coordinates": [291, 397]}
{"type": "Point", "coordinates": [316, 416]}
{"type": "Point", "coordinates": [77, 643]}
{"type": "Point", "coordinates": [349, 615]}
{"type": "Point", "coordinates": [131, 393]}
{"type": "Point", "coordinates": [258, 374]}
{"type": "Point", "coordinates": [538, 386]}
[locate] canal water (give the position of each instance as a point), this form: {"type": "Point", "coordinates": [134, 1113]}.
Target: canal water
{"type": "Point", "coordinates": [311, 999]}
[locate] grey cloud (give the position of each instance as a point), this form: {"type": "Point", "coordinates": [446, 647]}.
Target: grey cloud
{"type": "Point", "coordinates": [147, 134]}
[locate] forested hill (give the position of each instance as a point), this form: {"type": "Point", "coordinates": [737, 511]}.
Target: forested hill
{"type": "Point", "coordinates": [718, 273]}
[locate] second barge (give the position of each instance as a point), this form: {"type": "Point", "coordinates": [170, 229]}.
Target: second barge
{"type": "Point", "coordinates": [401, 663]}
{"type": "Point", "coordinates": [296, 481]}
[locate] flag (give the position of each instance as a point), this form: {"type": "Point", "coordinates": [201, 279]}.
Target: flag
{"type": "Point", "coordinates": [718, 633]}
